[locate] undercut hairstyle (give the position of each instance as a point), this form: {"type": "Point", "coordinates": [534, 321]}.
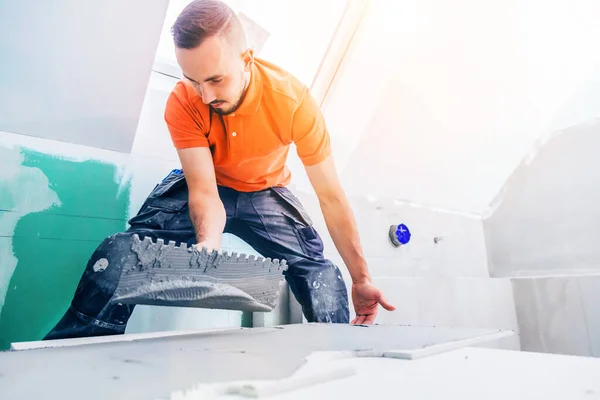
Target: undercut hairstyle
{"type": "Point", "coordinates": [202, 19]}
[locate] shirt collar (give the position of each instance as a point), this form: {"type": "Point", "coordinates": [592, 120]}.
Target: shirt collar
{"type": "Point", "coordinates": [253, 94]}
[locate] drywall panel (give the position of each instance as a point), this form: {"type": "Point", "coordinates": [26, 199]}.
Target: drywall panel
{"type": "Point", "coordinates": [544, 221]}
{"type": "Point", "coordinates": [58, 201]}
{"type": "Point", "coordinates": [77, 71]}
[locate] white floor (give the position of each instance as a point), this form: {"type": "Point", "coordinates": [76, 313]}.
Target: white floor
{"type": "Point", "coordinates": [466, 374]}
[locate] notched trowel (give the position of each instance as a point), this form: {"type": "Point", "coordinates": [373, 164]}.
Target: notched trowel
{"type": "Point", "coordinates": [162, 274]}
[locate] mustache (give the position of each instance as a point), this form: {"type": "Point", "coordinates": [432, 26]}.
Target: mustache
{"type": "Point", "coordinates": [216, 101]}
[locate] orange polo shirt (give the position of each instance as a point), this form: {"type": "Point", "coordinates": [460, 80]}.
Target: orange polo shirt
{"type": "Point", "coordinates": [250, 146]}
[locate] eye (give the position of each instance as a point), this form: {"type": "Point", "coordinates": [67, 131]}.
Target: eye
{"type": "Point", "coordinates": [215, 81]}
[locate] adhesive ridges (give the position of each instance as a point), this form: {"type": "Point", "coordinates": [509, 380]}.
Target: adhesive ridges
{"type": "Point", "coordinates": [170, 275]}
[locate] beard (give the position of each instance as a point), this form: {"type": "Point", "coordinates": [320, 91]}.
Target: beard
{"type": "Point", "coordinates": [226, 111]}
{"type": "Point", "coordinates": [229, 110]}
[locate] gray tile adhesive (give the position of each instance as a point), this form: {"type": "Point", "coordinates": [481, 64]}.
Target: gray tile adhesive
{"type": "Point", "coordinates": [168, 275]}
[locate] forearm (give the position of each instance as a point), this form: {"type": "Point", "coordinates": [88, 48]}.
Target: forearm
{"type": "Point", "coordinates": [344, 232]}
{"type": "Point", "coordinates": [208, 216]}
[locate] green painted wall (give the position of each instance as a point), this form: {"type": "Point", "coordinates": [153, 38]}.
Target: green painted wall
{"type": "Point", "coordinates": [52, 246]}
{"type": "Point", "coordinates": [54, 212]}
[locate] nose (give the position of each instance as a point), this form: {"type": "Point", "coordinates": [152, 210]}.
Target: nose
{"type": "Point", "coordinates": [207, 94]}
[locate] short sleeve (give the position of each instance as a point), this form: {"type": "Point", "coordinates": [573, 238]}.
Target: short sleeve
{"type": "Point", "coordinates": [309, 132]}
{"type": "Point", "coordinates": [185, 126]}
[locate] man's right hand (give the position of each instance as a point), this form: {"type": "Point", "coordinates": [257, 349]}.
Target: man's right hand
{"type": "Point", "coordinates": [210, 245]}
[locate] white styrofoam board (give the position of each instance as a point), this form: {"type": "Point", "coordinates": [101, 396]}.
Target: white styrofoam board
{"type": "Point", "coordinates": [280, 315]}
{"type": "Point", "coordinates": [124, 359]}
{"type": "Point", "coordinates": [414, 354]}
{"type": "Point", "coordinates": [44, 344]}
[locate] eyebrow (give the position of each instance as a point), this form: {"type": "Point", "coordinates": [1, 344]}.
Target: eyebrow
{"type": "Point", "coordinates": [212, 78]}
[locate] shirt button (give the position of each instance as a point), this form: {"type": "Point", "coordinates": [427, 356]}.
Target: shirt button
{"type": "Point", "coordinates": [233, 134]}
{"type": "Point", "coordinates": [233, 115]}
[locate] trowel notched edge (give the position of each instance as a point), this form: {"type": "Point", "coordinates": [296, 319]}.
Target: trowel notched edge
{"type": "Point", "coordinates": [166, 274]}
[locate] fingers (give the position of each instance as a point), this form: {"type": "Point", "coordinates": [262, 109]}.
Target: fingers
{"type": "Point", "coordinates": [369, 319]}
{"type": "Point", "coordinates": [364, 319]}
{"type": "Point", "coordinates": [384, 303]}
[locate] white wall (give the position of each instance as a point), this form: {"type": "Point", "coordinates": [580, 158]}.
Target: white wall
{"type": "Point", "coordinates": [451, 302]}
{"type": "Point", "coordinates": [543, 229]}
{"type": "Point", "coordinates": [391, 140]}
{"type": "Point", "coordinates": [437, 102]}
{"type": "Point", "coordinates": [460, 253]}
{"type": "Point", "coordinates": [545, 220]}
{"type": "Point", "coordinates": [559, 314]}
{"type": "Point", "coordinates": [76, 71]}
{"type": "Point", "coordinates": [441, 284]}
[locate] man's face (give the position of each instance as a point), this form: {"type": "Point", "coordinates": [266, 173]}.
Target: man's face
{"type": "Point", "coordinates": [218, 71]}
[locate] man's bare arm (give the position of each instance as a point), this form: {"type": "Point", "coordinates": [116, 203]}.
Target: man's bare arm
{"type": "Point", "coordinates": [344, 232]}
{"type": "Point", "coordinates": [339, 218]}
{"type": "Point", "coordinates": [206, 209]}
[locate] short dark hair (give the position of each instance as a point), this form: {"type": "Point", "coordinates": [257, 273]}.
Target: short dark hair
{"type": "Point", "coordinates": [204, 18]}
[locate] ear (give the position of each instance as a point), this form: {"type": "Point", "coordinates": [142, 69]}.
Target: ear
{"type": "Point", "coordinates": [248, 59]}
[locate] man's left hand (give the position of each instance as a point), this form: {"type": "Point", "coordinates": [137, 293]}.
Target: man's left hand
{"type": "Point", "coordinates": [366, 298]}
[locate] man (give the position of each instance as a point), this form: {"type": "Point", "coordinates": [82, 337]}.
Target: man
{"type": "Point", "coordinates": [232, 120]}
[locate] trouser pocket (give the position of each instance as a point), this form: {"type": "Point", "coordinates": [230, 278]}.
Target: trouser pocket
{"type": "Point", "coordinates": [163, 215]}
{"type": "Point", "coordinates": [166, 207]}
{"type": "Point", "coordinates": [293, 206]}
{"type": "Point", "coordinates": [310, 239]}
